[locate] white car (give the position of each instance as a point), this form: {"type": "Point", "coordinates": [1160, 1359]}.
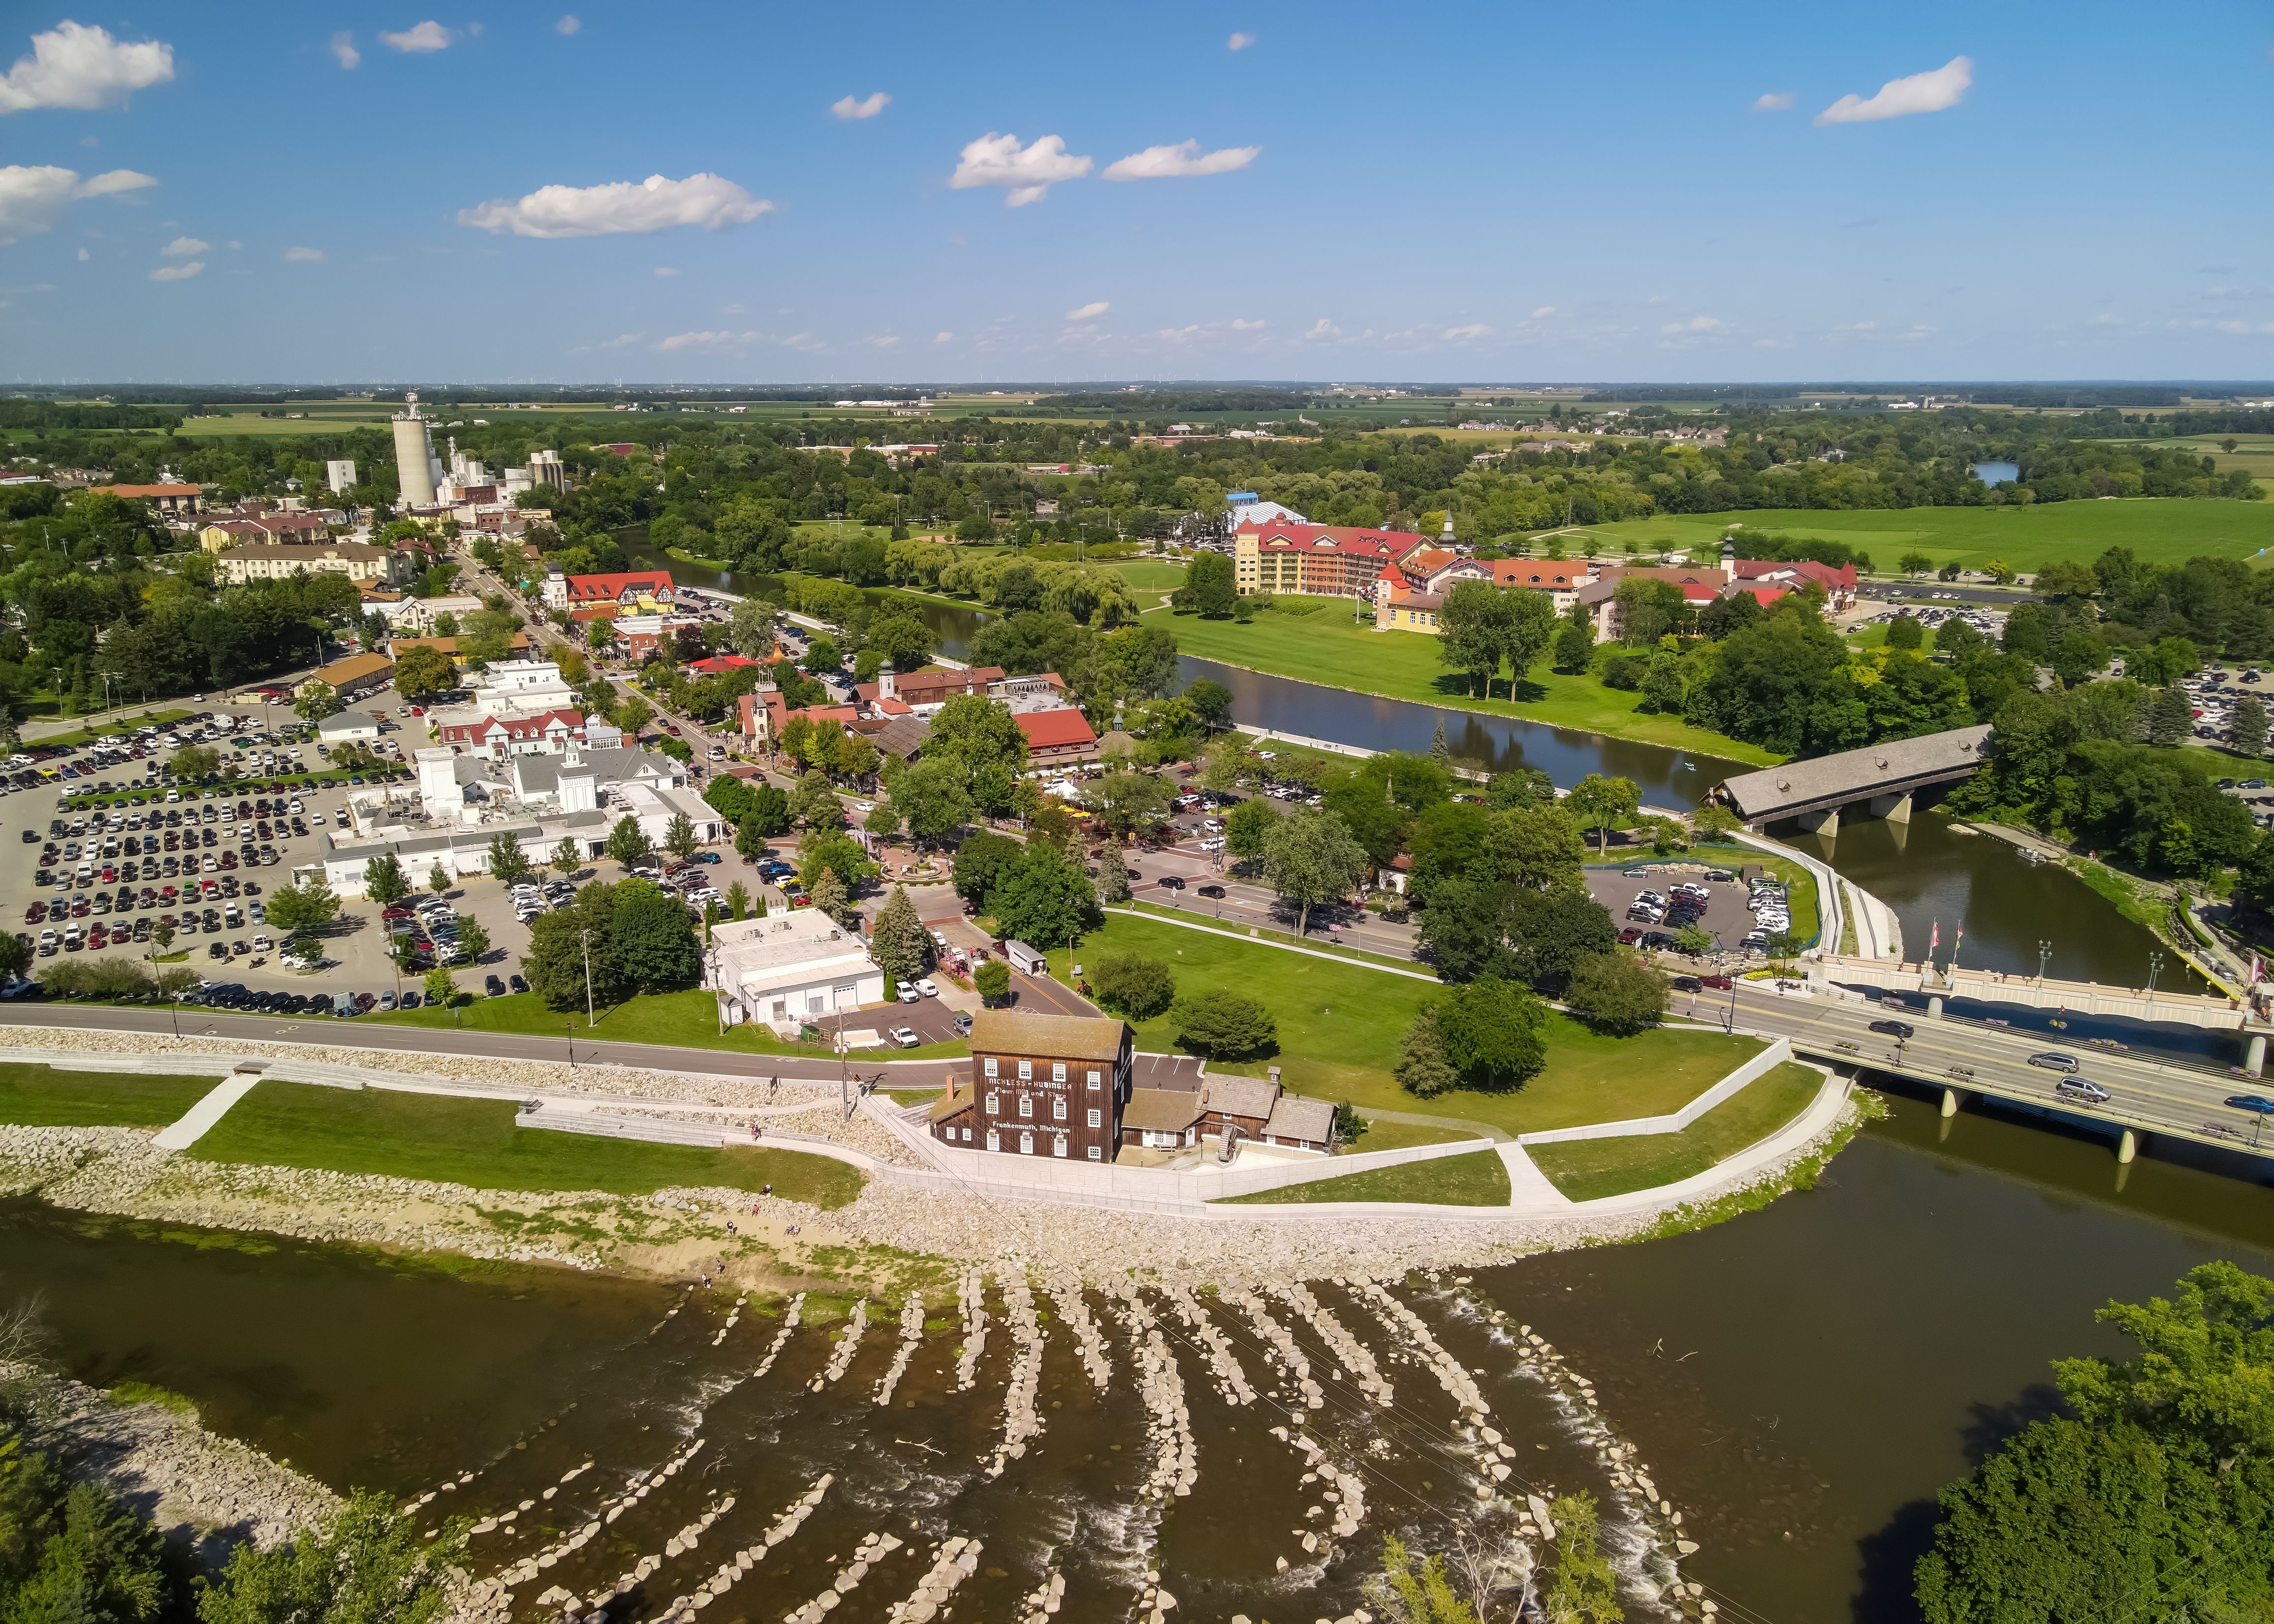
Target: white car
{"type": "Point", "coordinates": [928, 987]}
{"type": "Point", "coordinates": [864, 806]}
{"type": "Point", "coordinates": [907, 994]}
{"type": "Point", "coordinates": [1213, 845]}
{"type": "Point", "coordinates": [904, 1037]}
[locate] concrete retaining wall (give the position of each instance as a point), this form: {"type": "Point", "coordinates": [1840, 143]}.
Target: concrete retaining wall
{"type": "Point", "coordinates": [1776, 1055]}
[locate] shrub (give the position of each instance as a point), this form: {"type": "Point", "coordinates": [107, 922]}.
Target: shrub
{"type": "Point", "coordinates": [1135, 988]}
{"type": "Point", "coordinates": [1225, 1024]}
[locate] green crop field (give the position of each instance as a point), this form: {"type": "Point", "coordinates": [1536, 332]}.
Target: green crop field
{"type": "Point", "coordinates": [1314, 640]}
{"type": "Point", "coordinates": [474, 1142]}
{"type": "Point", "coordinates": [1339, 1025]}
{"type": "Point", "coordinates": [2160, 531]}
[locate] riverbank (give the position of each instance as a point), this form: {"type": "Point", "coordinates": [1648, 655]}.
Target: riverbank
{"type": "Point", "coordinates": [204, 1492]}
{"type": "Point", "coordinates": [895, 1237]}
{"type": "Point", "coordinates": [1324, 646]}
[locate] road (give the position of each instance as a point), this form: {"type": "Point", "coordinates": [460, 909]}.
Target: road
{"type": "Point", "coordinates": [2144, 1094]}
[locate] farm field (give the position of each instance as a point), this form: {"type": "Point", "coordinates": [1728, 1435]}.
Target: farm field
{"type": "Point", "coordinates": [1319, 643]}
{"type": "Point", "coordinates": [2160, 531]}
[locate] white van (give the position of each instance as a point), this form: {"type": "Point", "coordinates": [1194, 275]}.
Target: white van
{"type": "Point", "coordinates": [1025, 959]}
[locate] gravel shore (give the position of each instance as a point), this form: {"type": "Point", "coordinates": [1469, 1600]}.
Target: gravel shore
{"type": "Point", "coordinates": [199, 1488]}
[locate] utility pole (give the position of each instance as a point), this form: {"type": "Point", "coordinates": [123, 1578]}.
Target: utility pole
{"type": "Point", "coordinates": [585, 939]}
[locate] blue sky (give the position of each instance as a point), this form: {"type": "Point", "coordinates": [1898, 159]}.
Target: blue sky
{"type": "Point", "coordinates": [1504, 193]}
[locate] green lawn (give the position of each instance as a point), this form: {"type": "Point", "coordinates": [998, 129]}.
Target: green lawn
{"type": "Point", "coordinates": [474, 1142]}
{"type": "Point", "coordinates": [1382, 1135]}
{"type": "Point", "coordinates": [1324, 645]}
{"type": "Point", "coordinates": [113, 728]}
{"type": "Point", "coordinates": [1148, 576]}
{"type": "Point", "coordinates": [33, 1096]}
{"type": "Point", "coordinates": [2162, 531]}
{"type": "Point", "coordinates": [1339, 1025]}
{"type": "Point", "coordinates": [1588, 1169]}
{"type": "Point", "coordinates": [688, 1019]}
{"type": "Point", "coordinates": [1479, 1179]}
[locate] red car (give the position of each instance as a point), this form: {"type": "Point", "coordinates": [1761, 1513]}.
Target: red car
{"type": "Point", "coordinates": [1630, 936]}
{"type": "Point", "coordinates": [34, 914]}
{"type": "Point", "coordinates": [99, 937]}
{"type": "Point", "coordinates": [1719, 983]}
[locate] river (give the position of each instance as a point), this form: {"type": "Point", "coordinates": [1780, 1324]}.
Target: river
{"type": "Point", "coordinates": [1816, 1370]}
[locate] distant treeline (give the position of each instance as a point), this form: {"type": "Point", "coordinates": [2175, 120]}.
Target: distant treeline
{"type": "Point", "coordinates": [61, 415]}
{"type": "Point", "coordinates": [1150, 403]}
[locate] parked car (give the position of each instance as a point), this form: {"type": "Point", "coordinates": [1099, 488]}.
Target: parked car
{"type": "Point", "coordinates": [494, 987]}
{"type": "Point", "coordinates": [903, 1037]}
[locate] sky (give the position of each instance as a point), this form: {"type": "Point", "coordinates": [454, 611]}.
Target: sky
{"type": "Point", "coordinates": [318, 193]}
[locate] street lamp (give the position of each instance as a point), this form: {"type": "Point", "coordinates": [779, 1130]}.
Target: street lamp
{"type": "Point", "coordinates": [2044, 952]}
{"type": "Point", "coordinates": [569, 1027]}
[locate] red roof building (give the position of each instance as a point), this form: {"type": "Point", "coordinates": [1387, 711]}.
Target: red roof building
{"type": "Point", "coordinates": [1056, 736]}
{"type": "Point", "coordinates": [498, 737]}
{"type": "Point", "coordinates": [628, 588]}
{"type": "Point", "coordinates": [719, 664]}
{"type": "Point", "coordinates": [1838, 585]}
{"type": "Point", "coordinates": [164, 498]}
{"type": "Point", "coordinates": [1325, 561]}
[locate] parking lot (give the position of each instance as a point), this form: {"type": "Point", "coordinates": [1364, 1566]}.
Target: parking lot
{"type": "Point", "coordinates": [1725, 917]}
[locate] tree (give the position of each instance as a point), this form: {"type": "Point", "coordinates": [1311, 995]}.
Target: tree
{"type": "Point", "coordinates": [738, 900]}
{"type": "Point", "coordinates": [1581, 1583]}
{"type": "Point", "coordinates": [1528, 627]}
{"type": "Point", "coordinates": [1225, 1024]}
{"type": "Point", "coordinates": [770, 808]}
{"type": "Point", "coordinates": [1211, 703]}
{"type": "Point", "coordinates": [1112, 873]}
{"type": "Point", "coordinates": [680, 839]}
{"type": "Point", "coordinates": [1247, 830]}
{"type": "Point", "coordinates": [991, 979]}
{"type": "Point", "coordinates": [822, 655]}
{"type": "Point", "coordinates": [750, 628]}
{"type": "Point", "coordinates": [1210, 587]}
{"type": "Point", "coordinates": [566, 859]}
{"type": "Point", "coordinates": [473, 939]}
{"type": "Point", "coordinates": [1617, 993]}
{"type": "Point", "coordinates": [438, 879]}
{"type": "Point", "coordinates": [632, 715]}
{"type": "Point", "coordinates": [1471, 632]}
{"type": "Point", "coordinates": [1575, 645]}
{"type": "Point", "coordinates": [196, 761]}
{"type": "Point", "coordinates": [1043, 898]}
{"type": "Point", "coordinates": [2171, 717]}
{"type": "Point", "coordinates": [1122, 801]}
{"type": "Point", "coordinates": [652, 938]}
{"type": "Point", "coordinates": [1422, 1068]}
{"type": "Point", "coordinates": [1408, 1596]}
{"type": "Point", "coordinates": [837, 852]}
{"type": "Point", "coordinates": [423, 671]}
{"type": "Point", "coordinates": [813, 802]}
{"type": "Point", "coordinates": [293, 909]}
{"type": "Point", "coordinates": [161, 937]}
{"type": "Point", "coordinates": [628, 842]}
{"type": "Point", "coordinates": [383, 881]}
{"type": "Point", "coordinates": [2152, 1498]}
{"type": "Point", "coordinates": [1312, 858]}
{"type": "Point", "coordinates": [1537, 847]}
{"type": "Point", "coordinates": [509, 865]}
{"type": "Point", "coordinates": [2246, 732]}
{"type": "Point", "coordinates": [980, 860]}
{"type": "Point", "coordinates": [75, 1554]}
{"type": "Point", "coordinates": [1495, 1035]}
{"type": "Point", "coordinates": [1603, 804]}
{"type": "Point", "coordinates": [930, 798]}
{"type": "Point", "coordinates": [1133, 986]}
{"type": "Point", "coordinates": [901, 638]}
{"type": "Point", "coordinates": [560, 943]}
{"type": "Point", "coordinates": [1915, 564]}
{"type": "Point", "coordinates": [362, 1564]}
{"type": "Point", "coordinates": [830, 896]}
{"type": "Point", "coordinates": [1906, 631]}
{"type": "Point", "coordinates": [317, 700]}
{"type": "Point", "coordinates": [897, 940]}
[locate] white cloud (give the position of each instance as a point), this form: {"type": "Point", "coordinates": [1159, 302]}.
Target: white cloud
{"type": "Point", "coordinates": [1178, 335]}
{"type": "Point", "coordinates": [1323, 329]}
{"type": "Point", "coordinates": [708, 341]}
{"type": "Point", "coordinates": [1027, 173]}
{"type": "Point", "coordinates": [1922, 93]}
{"type": "Point", "coordinates": [1545, 309]}
{"type": "Point", "coordinates": [1696, 324]}
{"type": "Point", "coordinates": [1241, 325]}
{"type": "Point", "coordinates": [622, 339]}
{"type": "Point", "coordinates": [183, 248]}
{"type": "Point", "coordinates": [426, 36]}
{"type": "Point", "coordinates": [345, 51]}
{"type": "Point", "coordinates": [304, 256]}
{"type": "Point", "coordinates": [233, 242]}
{"type": "Point", "coordinates": [82, 68]}
{"type": "Point", "coordinates": [1240, 41]}
{"type": "Point", "coordinates": [1089, 313]}
{"type": "Point", "coordinates": [667, 270]}
{"type": "Point", "coordinates": [178, 273]}
{"type": "Point", "coordinates": [856, 106]}
{"type": "Point", "coordinates": [882, 341]}
{"type": "Point", "coordinates": [1774, 102]}
{"type": "Point", "coordinates": [1461, 335]}
{"type": "Point", "coordinates": [567, 25]}
{"type": "Point", "coordinates": [652, 205]}
{"type": "Point", "coordinates": [33, 195]}
{"type": "Point", "coordinates": [1183, 159]}
{"type": "Point", "coordinates": [84, 256]}
{"type": "Point", "coordinates": [941, 338]}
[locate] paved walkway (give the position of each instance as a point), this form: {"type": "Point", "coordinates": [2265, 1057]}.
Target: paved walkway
{"type": "Point", "coordinates": [200, 1117]}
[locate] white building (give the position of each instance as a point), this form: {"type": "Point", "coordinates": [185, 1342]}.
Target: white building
{"type": "Point", "coordinates": [340, 475]}
{"type": "Point", "coordinates": [415, 616]}
{"type": "Point", "coordinates": [349, 727]}
{"type": "Point", "coordinates": [344, 859]}
{"type": "Point", "coordinates": [789, 967]}
{"type": "Point", "coordinates": [418, 470]}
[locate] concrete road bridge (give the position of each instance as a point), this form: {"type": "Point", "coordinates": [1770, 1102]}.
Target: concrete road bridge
{"type": "Point", "coordinates": [1879, 779]}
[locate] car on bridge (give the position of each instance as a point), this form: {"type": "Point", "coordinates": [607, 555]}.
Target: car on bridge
{"type": "Point", "coordinates": [2054, 1062]}
{"type": "Point", "coordinates": [2257, 1103]}
{"type": "Point", "coordinates": [1895, 1029]}
{"type": "Point", "coordinates": [2080, 1088]}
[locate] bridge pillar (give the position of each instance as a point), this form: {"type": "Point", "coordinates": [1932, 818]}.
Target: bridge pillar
{"type": "Point", "coordinates": [1934, 1006]}
{"type": "Point", "coordinates": [1826, 823]}
{"type": "Point", "coordinates": [1895, 808]}
{"type": "Point", "coordinates": [1950, 1102]}
{"type": "Point", "coordinates": [2255, 1063]}
{"type": "Point", "coordinates": [2127, 1148]}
